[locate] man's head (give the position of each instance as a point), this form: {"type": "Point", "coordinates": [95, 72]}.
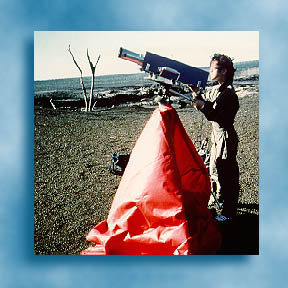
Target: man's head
{"type": "Point", "coordinates": [222, 69]}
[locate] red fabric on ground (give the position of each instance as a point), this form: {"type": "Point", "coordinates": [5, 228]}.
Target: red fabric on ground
{"type": "Point", "coordinates": [160, 206]}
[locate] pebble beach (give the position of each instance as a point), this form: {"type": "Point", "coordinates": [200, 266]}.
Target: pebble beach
{"type": "Point", "coordinates": [73, 188]}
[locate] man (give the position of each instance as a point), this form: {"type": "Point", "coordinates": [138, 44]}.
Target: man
{"type": "Point", "coordinates": [220, 106]}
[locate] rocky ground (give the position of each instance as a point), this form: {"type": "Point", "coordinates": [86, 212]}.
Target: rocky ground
{"type": "Point", "coordinates": [74, 188]}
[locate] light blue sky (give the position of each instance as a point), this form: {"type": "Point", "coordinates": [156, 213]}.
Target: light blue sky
{"type": "Point", "coordinates": [18, 266]}
{"type": "Point", "coordinates": [52, 59]}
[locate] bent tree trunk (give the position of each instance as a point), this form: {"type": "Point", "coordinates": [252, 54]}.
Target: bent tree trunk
{"type": "Point", "coordinates": [81, 81]}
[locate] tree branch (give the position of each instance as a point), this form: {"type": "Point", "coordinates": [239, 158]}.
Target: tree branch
{"type": "Point", "coordinates": [74, 59]}
{"type": "Point", "coordinates": [81, 80]}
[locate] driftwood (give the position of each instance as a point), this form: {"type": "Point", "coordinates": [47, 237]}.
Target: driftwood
{"type": "Point", "coordinates": [54, 107]}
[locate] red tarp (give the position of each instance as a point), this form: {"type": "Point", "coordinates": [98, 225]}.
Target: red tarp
{"type": "Point", "coordinates": [160, 206]}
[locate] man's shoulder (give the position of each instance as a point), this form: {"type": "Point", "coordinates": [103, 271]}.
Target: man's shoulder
{"type": "Point", "coordinates": [229, 90]}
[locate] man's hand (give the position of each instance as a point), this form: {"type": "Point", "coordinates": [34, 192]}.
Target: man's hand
{"type": "Point", "coordinates": [198, 104]}
{"type": "Point", "coordinates": [193, 88]}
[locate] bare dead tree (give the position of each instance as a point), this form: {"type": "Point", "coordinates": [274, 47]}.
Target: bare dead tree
{"type": "Point", "coordinates": [81, 80]}
{"type": "Point", "coordinates": [92, 79]}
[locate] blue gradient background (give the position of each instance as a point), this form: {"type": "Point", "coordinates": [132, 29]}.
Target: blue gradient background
{"type": "Point", "coordinates": [18, 266]}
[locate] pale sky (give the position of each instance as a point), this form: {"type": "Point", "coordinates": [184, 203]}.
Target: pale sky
{"type": "Point", "coordinates": [52, 59]}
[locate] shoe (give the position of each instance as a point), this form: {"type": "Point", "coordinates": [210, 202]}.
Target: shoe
{"type": "Point", "coordinates": [212, 203]}
{"type": "Point", "coordinates": [223, 219]}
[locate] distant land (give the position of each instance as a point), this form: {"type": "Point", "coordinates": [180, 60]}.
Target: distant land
{"type": "Point", "coordinates": [244, 68]}
{"type": "Point", "coordinates": [118, 81]}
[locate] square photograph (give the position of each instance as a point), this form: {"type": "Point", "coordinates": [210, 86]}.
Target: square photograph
{"type": "Point", "coordinates": [146, 142]}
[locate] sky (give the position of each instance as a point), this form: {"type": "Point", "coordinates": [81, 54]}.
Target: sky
{"type": "Point", "coordinates": [19, 19]}
{"type": "Point", "coordinates": [52, 59]}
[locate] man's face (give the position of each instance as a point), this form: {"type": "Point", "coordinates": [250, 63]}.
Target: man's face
{"type": "Point", "coordinates": [217, 74]}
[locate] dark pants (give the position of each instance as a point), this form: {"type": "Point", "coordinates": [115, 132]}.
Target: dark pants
{"type": "Point", "coordinates": [228, 177]}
